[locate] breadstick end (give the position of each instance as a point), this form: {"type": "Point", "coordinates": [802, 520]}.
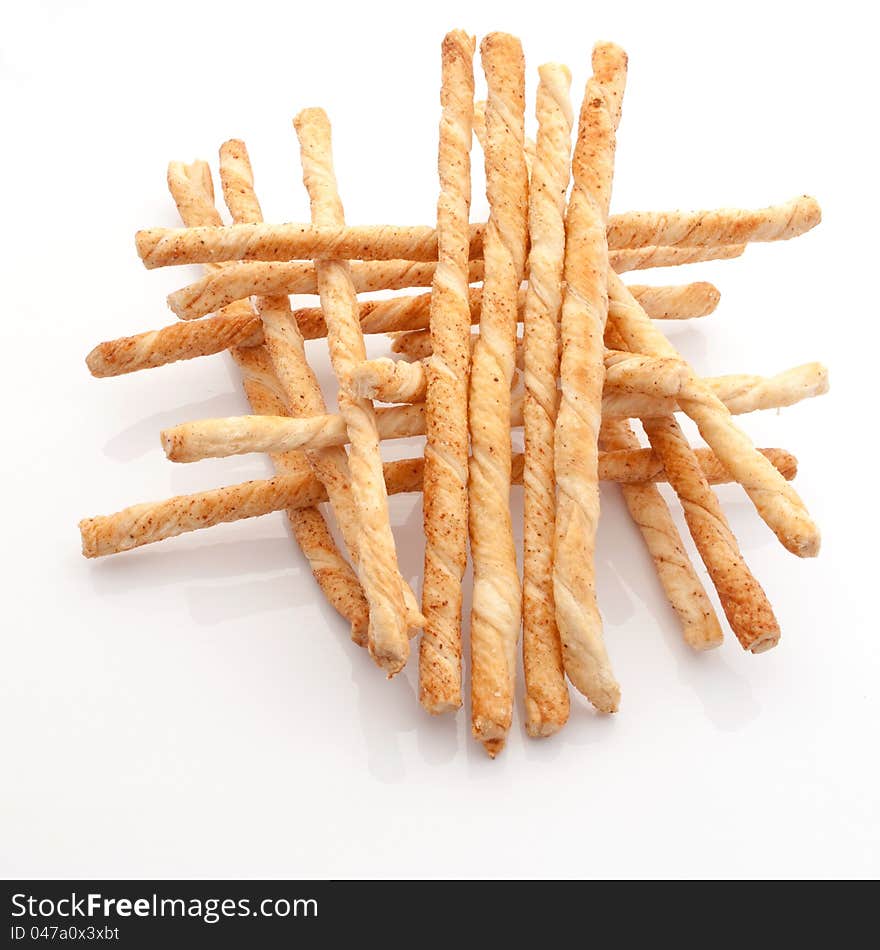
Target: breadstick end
{"type": "Point", "coordinates": [436, 707]}
{"type": "Point", "coordinates": [539, 728]}
{"type": "Point", "coordinates": [96, 363]}
{"type": "Point", "coordinates": [765, 643]}
{"type": "Point", "coordinates": [88, 536]}
{"type": "Point", "coordinates": [174, 445]}
{"type": "Point", "coordinates": [702, 637]}
{"type": "Point", "coordinates": [392, 662]}
{"type": "Point", "coordinates": [493, 747]}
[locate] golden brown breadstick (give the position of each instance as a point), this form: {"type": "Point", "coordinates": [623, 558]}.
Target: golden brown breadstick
{"type": "Point", "coordinates": [238, 325]}
{"type": "Point", "coordinates": [546, 698]}
{"type": "Point", "coordinates": [740, 393]}
{"type": "Point", "coordinates": [377, 565]}
{"type": "Point", "coordinates": [445, 499]}
{"type": "Point", "coordinates": [269, 279]}
{"type": "Point", "coordinates": [529, 146]}
{"type": "Point", "coordinates": [777, 502]}
{"type": "Point", "coordinates": [192, 190]}
{"type": "Point", "coordinates": [219, 438]}
{"type": "Point", "coordinates": [677, 302]}
{"type": "Point", "coordinates": [649, 511]}
{"type": "Point", "coordinates": [582, 326]}
{"type": "Point", "coordinates": [641, 258]}
{"type": "Point", "coordinates": [495, 615]}
{"type": "Point", "coordinates": [160, 247]}
{"type": "Point", "coordinates": [157, 521]}
{"type": "Point", "coordinates": [724, 226]}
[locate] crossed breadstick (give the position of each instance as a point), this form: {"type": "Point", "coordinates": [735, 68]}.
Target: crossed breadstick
{"type": "Point", "coordinates": [151, 522]}
{"type": "Point", "coordinates": [240, 326]}
{"type": "Point", "coordinates": [160, 247]}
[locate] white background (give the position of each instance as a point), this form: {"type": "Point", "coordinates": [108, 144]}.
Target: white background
{"type": "Point", "coordinates": [195, 709]}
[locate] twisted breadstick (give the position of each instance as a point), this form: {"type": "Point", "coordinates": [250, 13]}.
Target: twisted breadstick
{"type": "Point", "coordinates": [380, 577]}
{"type": "Point", "coordinates": [584, 313]}
{"type": "Point", "coordinates": [546, 700]}
{"type": "Point", "coordinates": [192, 190]}
{"type": "Point", "coordinates": [679, 302]}
{"type": "Point", "coordinates": [529, 146]}
{"type": "Point", "coordinates": [725, 226]}
{"type": "Point", "coordinates": [151, 522]}
{"type": "Point", "coordinates": [240, 280]}
{"type": "Point", "coordinates": [157, 521]}
{"type": "Point", "coordinates": [160, 247]}
{"type": "Point", "coordinates": [495, 615]}
{"type": "Point", "coordinates": [649, 511]}
{"type": "Point", "coordinates": [271, 278]}
{"type": "Point", "coordinates": [217, 438]}
{"type": "Point", "coordinates": [740, 393]}
{"type": "Point", "coordinates": [399, 381]}
{"type": "Point", "coordinates": [446, 449]}
{"type": "Point", "coordinates": [641, 258]}
{"type": "Point", "coordinates": [238, 325]}
{"type": "Point", "coordinates": [777, 503]}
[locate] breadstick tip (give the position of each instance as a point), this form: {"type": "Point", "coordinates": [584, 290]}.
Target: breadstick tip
{"type": "Point", "coordinates": [765, 643]}
{"type": "Point", "coordinates": [88, 537]}
{"type": "Point", "coordinates": [172, 443]}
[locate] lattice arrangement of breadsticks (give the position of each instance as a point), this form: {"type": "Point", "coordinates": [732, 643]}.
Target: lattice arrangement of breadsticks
{"type": "Point", "coordinates": [591, 361]}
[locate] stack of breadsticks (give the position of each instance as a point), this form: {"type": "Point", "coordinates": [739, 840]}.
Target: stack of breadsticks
{"type": "Point", "coordinates": [590, 364]}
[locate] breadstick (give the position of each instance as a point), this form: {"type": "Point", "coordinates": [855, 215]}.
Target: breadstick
{"type": "Point", "coordinates": [240, 280]}
{"type": "Point", "coordinates": [495, 615]}
{"type": "Point", "coordinates": [529, 145]}
{"type": "Point", "coordinates": [546, 698]}
{"type": "Point", "coordinates": [641, 258]}
{"type": "Point", "coordinates": [238, 325]}
{"type": "Point", "coordinates": [582, 326]}
{"type": "Point", "coordinates": [384, 587]}
{"type": "Point", "coordinates": [679, 302]}
{"type": "Point", "coordinates": [777, 503]}
{"type": "Point", "coordinates": [399, 381]}
{"type": "Point", "coordinates": [649, 511]}
{"type": "Point", "coordinates": [157, 521]}
{"type": "Point", "coordinates": [270, 278]}
{"type": "Point", "coordinates": [192, 190]}
{"type": "Point", "coordinates": [161, 247]}
{"type": "Point", "coordinates": [740, 393]}
{"type": "Point", "coordinates": [725, 226]}
{"type": "Point", "coordinates": [219, 438]}
{"type": "Point", "coordinates": [445, 499]}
